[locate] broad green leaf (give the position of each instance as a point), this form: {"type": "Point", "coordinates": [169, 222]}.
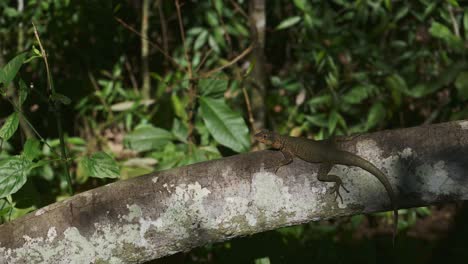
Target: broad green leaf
{"type": "Point", "coordinates": [101, 165]}
{"type": "Point", "coordinates": [211, 87]}
{"type": "Point", "coordinates": [9, 71]}
{"type": "Point", "coordinates": [357, 94]}
{"type": "Point", "coordinates": [9, 127]}
{"type": "Point", "coordinates": [13, 174]}
{"type": "Point", "coordinates": [23, 92]}
{"type": "Point", "coordinates": [226, 126]}
{"type": "Point", "coordinates": [376, 115]}
{"type": "Point", "coordinates": [288, 22]}
{"type": "Point", "coordinates": [31, 149]}
{"type": "Point", "coordinates": [147, 137]}
{"type": "Point", "coordinates": [442, 32]}
{"type": "Point", "coordinates": [461, 83]}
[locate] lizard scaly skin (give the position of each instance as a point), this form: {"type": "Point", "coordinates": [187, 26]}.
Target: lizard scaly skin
{"type": "Point", "coordinates": [327, 154]}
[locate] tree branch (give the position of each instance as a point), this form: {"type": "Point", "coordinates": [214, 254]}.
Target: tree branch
{"type": "Point", "coordinates": [166, 212]}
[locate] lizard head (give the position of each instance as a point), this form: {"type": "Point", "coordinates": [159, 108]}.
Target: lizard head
{"type": "Point", "coordinates": [269, 138]}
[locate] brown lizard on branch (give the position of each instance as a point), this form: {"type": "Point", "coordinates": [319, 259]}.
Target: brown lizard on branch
{"type": "Point", "coordinates": [326, 153]}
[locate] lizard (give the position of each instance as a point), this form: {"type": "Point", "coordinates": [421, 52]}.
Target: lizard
{"type": "Point", "coordinates": [327, 154]}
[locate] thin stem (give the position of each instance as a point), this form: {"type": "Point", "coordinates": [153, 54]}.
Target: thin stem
{"type": "Point", "coordinates": [57, 112]}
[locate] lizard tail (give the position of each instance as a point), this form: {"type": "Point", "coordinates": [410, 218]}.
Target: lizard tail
{"type": "Point", "coordinates": [354, 160]}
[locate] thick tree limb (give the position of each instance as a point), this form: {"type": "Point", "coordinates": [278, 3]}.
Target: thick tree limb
{"type": "Point", "coordinates": [166, 212]}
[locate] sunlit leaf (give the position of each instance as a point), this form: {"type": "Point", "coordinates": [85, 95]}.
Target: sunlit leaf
{"type": "Point", "coordinates": [147, 137]}
{"type": "Point", "coordinates": [9, 71]}
{"type": "Point", "coordinates": [226, 126]}
{"type": "Point", "coordinates": [9, 127]}
{"type": "Point", "coordinates": [200, 40]}
{"type": "Point", "coordinates": [101, 165]}
{"type": "Point", "coordinates": [332, 121]}
{"type": "Point", "coordinates": [31, 149]}
{"type": "Point", "coordinates": [288, 22]}
{"type": "Point", "coordinates": [376, 115]}
{"type": "Point", "coordinates": [13, 174]}
{"type": "Point", "coordinates": [442, 32]}
{"type": "Point", "coordinates": [179, 130]}
{"type": "Point", "coordinates": [213, 87]}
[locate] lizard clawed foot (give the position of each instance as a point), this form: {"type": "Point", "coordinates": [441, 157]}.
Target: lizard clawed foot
{"type": "Point", "coordinates": [336, 190]}
{"type": "Point", "coordinates": [273, 168]}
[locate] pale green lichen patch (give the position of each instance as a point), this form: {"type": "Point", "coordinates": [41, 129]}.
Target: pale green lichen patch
{"type": "Point", "coordinates": [434, 179]}
{"type": "Point", "coordinates": [134, 212]}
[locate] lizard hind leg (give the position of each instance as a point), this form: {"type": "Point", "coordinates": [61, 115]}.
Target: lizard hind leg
{"type": "Point", "coordinates": [323, 176]}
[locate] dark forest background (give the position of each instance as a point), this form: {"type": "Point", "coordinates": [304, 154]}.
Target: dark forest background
{"type": "Point", "coordinates": [133, 87]}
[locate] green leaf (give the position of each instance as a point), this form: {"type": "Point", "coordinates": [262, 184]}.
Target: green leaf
{"type": "Point", "coordinates": [301, 4]}
{"type": "Point", "coordinates": [442, 32]}
{"type": "Point", "coordinates": [319, 120]}
{"type": "Point", "coordinates": [10, 126]}
{"type": "Point", "coordinates": [23, 92]}
{"type": "Point", "coordinates": [201, 40]}
{"type": "Point", "coordinates": [212, 87]}
{"type": "Point", "coordinates": [288, 22]}
{"type": "Point", "coordinates": [8, 73]}
{"type": "Point", "coordinates": [101, 165]}
{"type": "Point", "coordinates": [147, 137]}
{"type": "Point", "coordinates": [323, 100]}
{"type": "Point", "coordinates": [465, 22]}
{"type": "Point", "coordinates": [179, 106]}
{"type": "Point", "coordinates": [57, 97]}
{"type": "Point", "coordinates": [357, 94]}
{"type": "Point", "coordinates": [218, 4]}
{"type": "Point", "coordinates": [179, 130]}
{"type": "Point", "coordinates": [461, 83]}
{"type": "Point", "coordinates": [226, 126]}
{"type": "Point", "coordinates": [13, 174]}
{"type": "Point", "coordinates": [376, 115]}
{"type": "Point", "coordinates": [31, 149]}
{"type": "Point", "coordinates": [332, 121]}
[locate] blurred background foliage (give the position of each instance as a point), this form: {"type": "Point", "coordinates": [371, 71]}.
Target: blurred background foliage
{"type": "Point", "coordinates": [138, 96]}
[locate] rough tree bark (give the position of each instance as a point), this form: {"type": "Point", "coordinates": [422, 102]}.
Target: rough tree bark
{"type": "Point", "coordinates": [175, 210]}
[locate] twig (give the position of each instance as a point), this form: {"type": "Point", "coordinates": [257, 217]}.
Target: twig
{"type": "Point", "coordinates": [96, 87]}
{"type": "Point", "coordinates": [205, 57]}
{"type": "Point", "coordinates": [57, 112]}
{"type": "Point", "coordinates": [249, 108]}
{"type": "Point", "coordinates": [162, 20]}
{"type": "Point", "coordinates": [192, 84]}
{"type": "Point", "coordinates": [230, 63]}
{"type": "Point", "coordinates": [153, 44]}
{"type": "Point", "coordinates": [44, 56]}
{"type": "Point", "coordinates": [146, 82]}
{"type": "Point", "coordinates": [133, 80]}
{"type": "Point", "coordinates": [454, 21]}
{"type": "Point", "coordinates": [223, 25]}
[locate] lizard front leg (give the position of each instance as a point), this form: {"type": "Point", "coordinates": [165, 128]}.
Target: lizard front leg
{"type": "Point", "coordinates": [323, 175]}
{"type": "Point", "coordinates": [288, 158]}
